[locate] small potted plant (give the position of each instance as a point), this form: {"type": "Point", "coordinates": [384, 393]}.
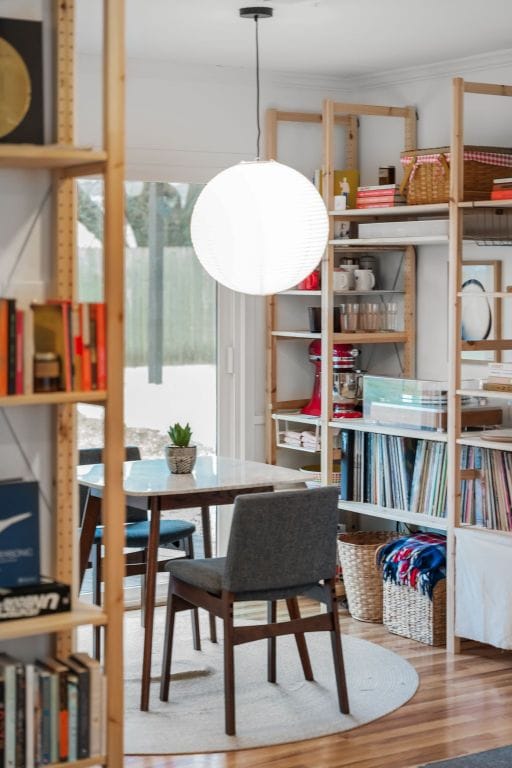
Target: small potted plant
{"type": "Point", "coordinates": [180, 455]}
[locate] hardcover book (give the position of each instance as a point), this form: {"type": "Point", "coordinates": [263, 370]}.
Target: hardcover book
{"type": "Point", "coordinates": [19, 533]}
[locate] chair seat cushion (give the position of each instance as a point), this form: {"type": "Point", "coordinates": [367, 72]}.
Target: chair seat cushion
{"type": "Point", "coordinates": [207, 574]}
{"type": "Point", "coordinates": [137, 534]}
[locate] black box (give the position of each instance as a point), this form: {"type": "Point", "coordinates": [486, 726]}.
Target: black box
{"type": "Point", "coordinates": [25, 602]}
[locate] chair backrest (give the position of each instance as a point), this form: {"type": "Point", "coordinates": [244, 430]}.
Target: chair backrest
{"type": "Point", "coordinates": [282, 540]}
{"type": "Point", "coordinates": [95, 456]}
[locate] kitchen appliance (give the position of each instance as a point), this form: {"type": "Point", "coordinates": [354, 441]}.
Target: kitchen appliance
{"type": "Point", "coordinates": [347, 380]}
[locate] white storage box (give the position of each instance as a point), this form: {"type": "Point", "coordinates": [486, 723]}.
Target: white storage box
{"type": "Point", "coordinates": [422, 228]}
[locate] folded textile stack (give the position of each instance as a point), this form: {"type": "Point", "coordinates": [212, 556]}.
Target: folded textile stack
{"type": "Point", "coordinates": [417, 561]}
{"type": "Point", "coordinates": [310, 441]}
{"type": "Point", "coordinates": [292, 438]}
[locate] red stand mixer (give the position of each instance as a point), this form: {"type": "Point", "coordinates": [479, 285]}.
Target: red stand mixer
{"type": "Point", "coordinates": [347, 381]}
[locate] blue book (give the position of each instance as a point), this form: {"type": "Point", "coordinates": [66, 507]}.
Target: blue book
{"type": "Point", "coordinates": [19, 533]}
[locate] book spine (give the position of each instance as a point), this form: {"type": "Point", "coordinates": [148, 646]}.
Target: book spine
{"type": "Point", "coordinates": [95, 694]}
{"type": "Point", "coordinates": [72, 683]}
{"type": "Point", "coordinates": [19, 385]}
{"type": "Point", "coordinates": [4, 346]}
{"type": "Point", "coordinates": [101, 345]}
{"type": "Point", "coordinates": [83, 715]}
{"type": "Point", "coordinates": [390, 204]}
{"type": "Point", "coordinates": [10, 716]}
{"type": "Point", "coordinates": [20, 715]}
{"type": "Point", "coordinates": [2, 719]}
{"type": "Point", "coordinates": [54, 717]}
{"type": "Point", "coordinates": [29, 716]}
{"type": "Point", "coordinates": [77, 348]}
{"type": "Point", "coordinates": [63, 717]}
{"type": "Point", "coordinates": [11, 346]}
{"type": "Point", "coordinates": [501, 194]}
{"type": "Point", "coordinates": [93, 345]}
{"type": "Point", "coordinates": [45, 716]}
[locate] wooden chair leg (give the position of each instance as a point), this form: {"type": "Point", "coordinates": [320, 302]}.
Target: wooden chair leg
{"type": "Point", "coordinates": [229, 664]}
{"type": "Point", "coordinates": [194, 614]}
{"type": "Point", "coordinates": [165, 678]}
{"type": "Point", "coordinates": [96, 597]}
{"type": "Point", "coordinates": [337, 651]}
{"type": "Point", "coordinates": [143, 591]}
{"type": "Point", "coordinates": [271, 643]}
{"type": "Point", "coordinates": [300, 638]}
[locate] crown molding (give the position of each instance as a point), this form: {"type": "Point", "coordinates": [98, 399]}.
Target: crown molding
{"type": "Point", "coordinates": [447, 68]}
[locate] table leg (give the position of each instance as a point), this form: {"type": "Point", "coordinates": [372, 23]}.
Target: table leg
{"type": "Point", "coordinates": [91, 518]}
{"type": "Point", "coordinates": [151, 570]}
{"type": "Point", "coordinates": [207, 543]}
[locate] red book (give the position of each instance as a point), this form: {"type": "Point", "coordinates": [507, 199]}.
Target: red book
{"type": "Point", "coordinates": [377, 192]}
{"type": "Point", "coordinates": [101, 346]}
{"type": "Point", "coordinates": [501, 194]}
{"type": "Point", "coordinates": [86, 347]}
{"type": "Point", "coordinates": [4, 345]}
{"type": "Point", "coordinates": [391, 204]}
{"type": "Point", "coordinates": [20, 373]}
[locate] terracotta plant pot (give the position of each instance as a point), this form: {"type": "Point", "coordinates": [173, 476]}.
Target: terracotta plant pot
{"type": "Point", "coordinates": [180, 460]}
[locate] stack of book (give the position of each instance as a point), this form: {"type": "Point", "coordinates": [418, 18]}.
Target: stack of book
{"type": "Point", "coordinates": [502, 189]}
{"type": "Point", "coordinates": [499, 377]}
{"type": "Point", "coordinates": [51, 711]}
{"type": "Point", "coordinates": [381, 196]}
{"type": "Point", "coordinates": [74, 332]}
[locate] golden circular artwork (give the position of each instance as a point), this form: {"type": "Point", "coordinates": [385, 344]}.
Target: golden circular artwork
{"type": "Point", "coordinates": [15, 89]}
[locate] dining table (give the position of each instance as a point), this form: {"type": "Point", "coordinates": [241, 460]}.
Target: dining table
{"type": "Point", "coordinates": [148, 483]}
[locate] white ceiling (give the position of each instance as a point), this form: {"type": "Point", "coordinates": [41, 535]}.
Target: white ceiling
{"type": "Point", "coordinates": [348, 38]}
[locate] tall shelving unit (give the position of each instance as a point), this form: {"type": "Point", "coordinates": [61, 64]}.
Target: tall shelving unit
{"type": "Point", "coordinates": [458, 207]}
{"type": "Point", "coordinates": [66, 163]}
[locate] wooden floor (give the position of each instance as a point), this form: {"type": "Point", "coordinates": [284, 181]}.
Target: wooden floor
{"type": "Point", "coordinates": [463, 705]}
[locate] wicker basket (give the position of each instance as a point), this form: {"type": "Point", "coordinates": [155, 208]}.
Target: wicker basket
{"type": "Point", "coordinates": [427, 173]}
{"type": "Point", "coordinates": [361, 577]}
{"type": "Point", "coordinates": [409, 613]}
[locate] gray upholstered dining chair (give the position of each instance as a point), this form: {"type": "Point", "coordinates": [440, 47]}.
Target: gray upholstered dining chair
{"type": "Point", "coordinates": [281, 545]}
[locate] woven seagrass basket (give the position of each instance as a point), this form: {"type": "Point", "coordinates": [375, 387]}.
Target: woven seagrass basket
{"type": "Point", "coordinates": [427, 173]}
{"type": "Point", "coordinates": [411, 614]}
{"type": "Point", "coordinates": [361, 577]}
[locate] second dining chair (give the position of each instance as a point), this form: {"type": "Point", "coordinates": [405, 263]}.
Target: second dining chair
{"type": "Point", "coordinates": [281, 545]}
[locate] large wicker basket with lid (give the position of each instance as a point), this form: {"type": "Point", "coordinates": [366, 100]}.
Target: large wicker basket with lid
{"type": "Point", "coordinates": [427, 173]}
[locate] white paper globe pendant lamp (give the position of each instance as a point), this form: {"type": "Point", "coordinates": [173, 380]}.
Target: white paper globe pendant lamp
{"type": "Point", "coordinates": [259, 227]}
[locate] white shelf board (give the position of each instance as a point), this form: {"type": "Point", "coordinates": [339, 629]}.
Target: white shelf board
{"type": "Point", "coordinates": [362, 425]}
{"type": "Point", "coordinates": [300, 418]}
{"type": "Point", "coordinates": [297, 334]}
{"type": "Point", "coordinates": [486, 204]}
{"type": "Point", "coordinates": [475, 440]}
{"type": "Point", "coordinates": [399, 241]}
{"type": "Point", "coordinates": [395, 210]}
{"type": "Point", "coordinates": [346, 293]}
{"type": "Point", "coordinates": [399, 515]}
{"type": "Point", "coordinates": [494, 295]}
{"type": "Point", "coordinates": [492, 393]}
{"type": "Point", "coordinates": [481, 529]}
{"type": "Point", "coordinates": [296, 448]}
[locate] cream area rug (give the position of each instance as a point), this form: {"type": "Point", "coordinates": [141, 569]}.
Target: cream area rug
{"type": "Point", "coordinates": [379, 681]}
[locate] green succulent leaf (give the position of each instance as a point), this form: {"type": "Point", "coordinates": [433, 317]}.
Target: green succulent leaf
{"type": "Point", "coordinates": [180, 435]}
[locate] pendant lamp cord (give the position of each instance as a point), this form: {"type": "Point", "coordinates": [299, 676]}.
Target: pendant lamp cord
{"type": "Point", "coordinates": [257, 90]}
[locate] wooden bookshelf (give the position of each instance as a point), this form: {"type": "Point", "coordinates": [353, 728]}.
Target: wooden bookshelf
{"type": "Point", "coordinates": [54, 398]}
{"type": "Point", "coordinates": [79, 161]}
{"type": "Point", "coordinates": [86, 762]}
{"type": "Point", "coordinates": [53, 623]}
{"type": "Point", "coordinates": [398, 515]}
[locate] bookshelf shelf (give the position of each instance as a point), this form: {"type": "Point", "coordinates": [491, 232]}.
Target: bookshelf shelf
{"type": "Point", "coordinates": [398, 241]}
{"type": "Point", "coordinates": [478, 442]}
{"type": "Point", "coordinates": [481, 529]}
{"type": "Point", "coordinates": [348, 293]}
{"type": "Point", "coordinates": [494, 393]}
{"type": "Point", "coordinates": [376, 337]}
{"type": "Point", "coordinates": [360, 425]}
{"type": "Point", "coordinates": [52, 623]}
{"type": "Point", "coordinates": [485, 204]}
{"type": "Point", "coordinates": [54, 398]}
{"type": "Point", "coordinates": [52, 156]}
{"type": "Point", "coordinates": [86, 762]}
{"type": "Point", "coordinates": [295, 416]}
{"type": "Point", "coordinates": [398, 515]}
{"type": "Point", "coordinates": [296, 448]}
{"type": "Point", "coordinates": [402, 211]}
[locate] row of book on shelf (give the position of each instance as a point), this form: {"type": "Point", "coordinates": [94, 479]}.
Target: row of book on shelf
{"type": "Point", "coordinates": [380, 196]}
{"type": "Point", "coordinates": [486, 499]}
{"type": "Point", "coordinates": [67, 340]}
{"type": "Point", "coordinates": [393, 471]}
{"type": "Point", "coordinates": [51, 711]}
